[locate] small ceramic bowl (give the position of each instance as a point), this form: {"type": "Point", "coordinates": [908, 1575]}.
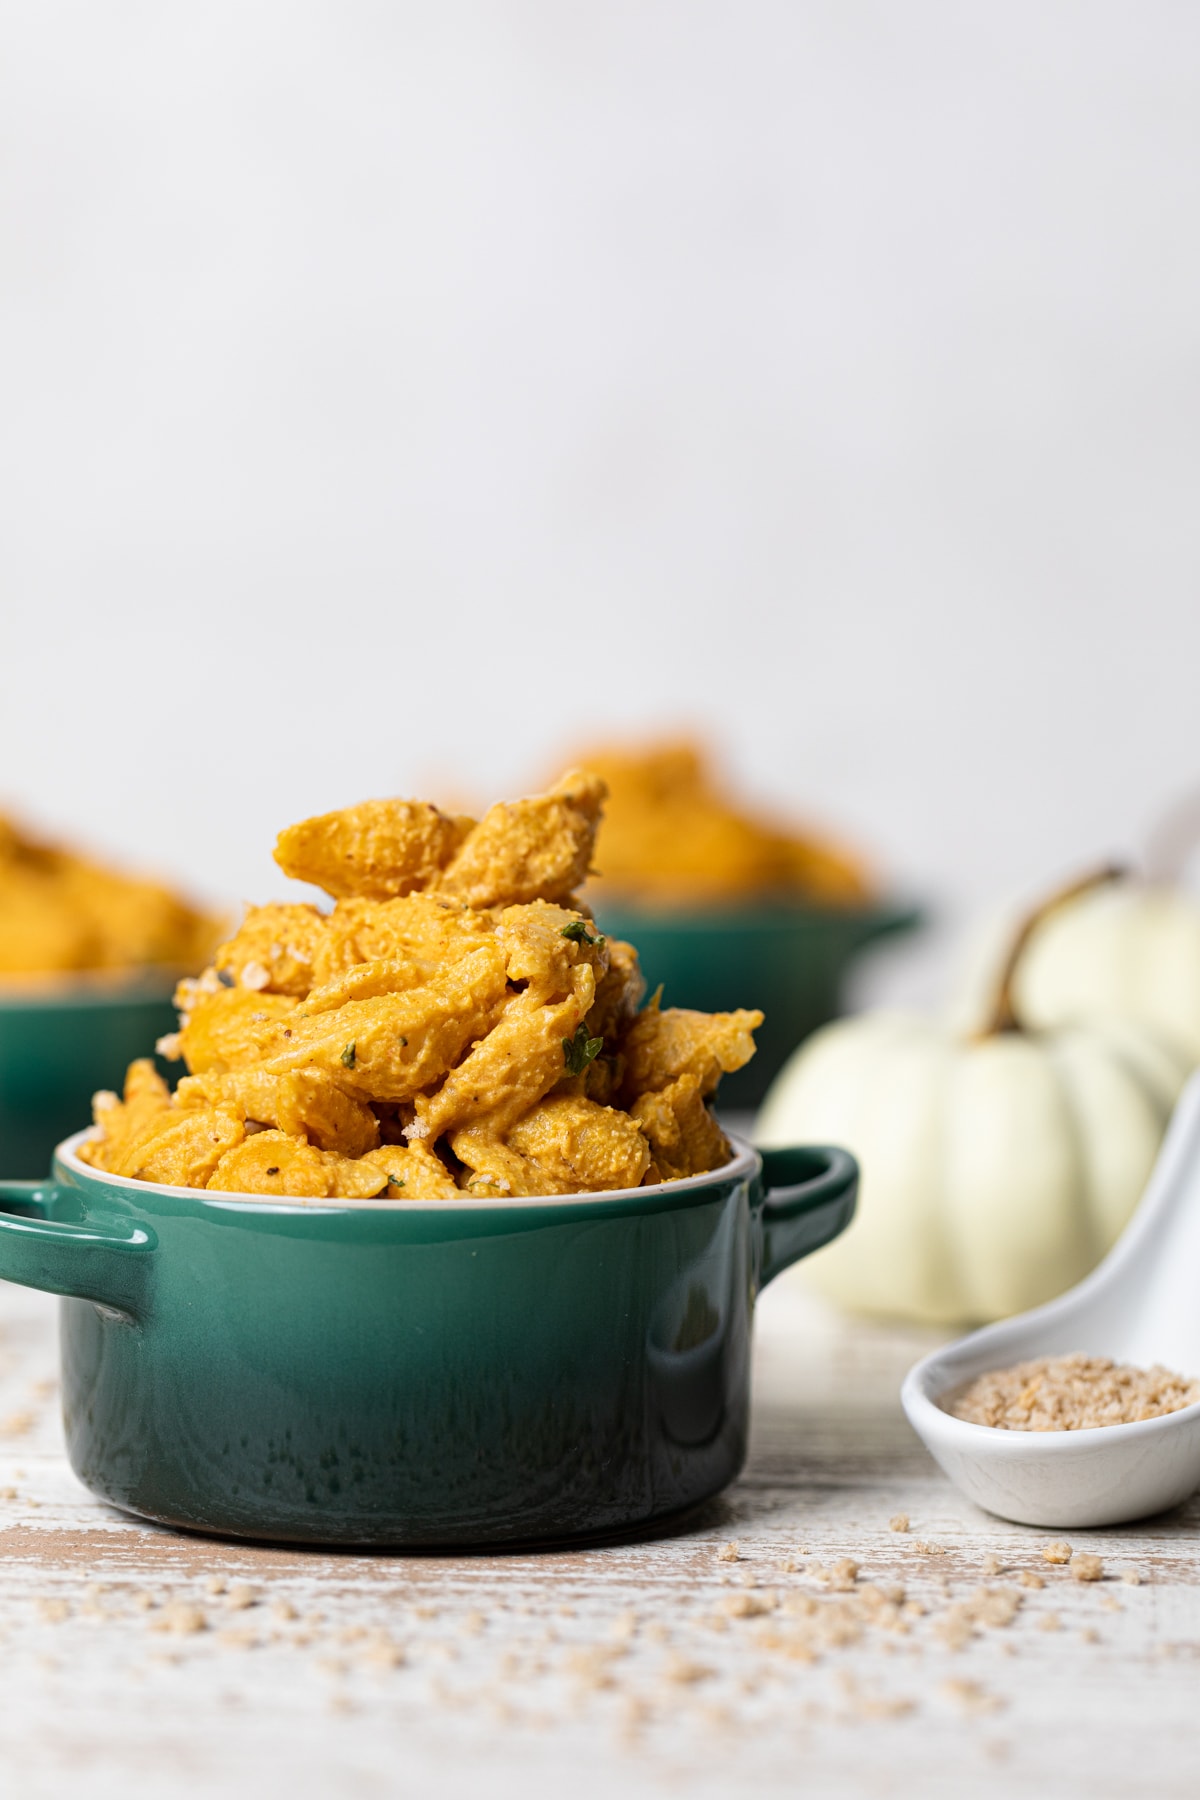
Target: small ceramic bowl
{"type": "Point", "coordinates": [60, 1040]}
{"type": "Point", "coordinates": [788, 959]}
{"type": "Point", "coordinates": [406, 1372]}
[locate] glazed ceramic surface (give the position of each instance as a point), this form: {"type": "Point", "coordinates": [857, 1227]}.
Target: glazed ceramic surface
{"type": "Point", "coordinates": [408, 1373]}
{"type": "Point", "coordinates": [789, 960]}
{"type": "Point", "coordinates": [57, 1046]}
{"type": "Point", "coordinates": [1138, 1307]}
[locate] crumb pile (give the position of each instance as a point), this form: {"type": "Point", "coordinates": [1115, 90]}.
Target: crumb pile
{"type": "Point", "coordinates": [455, 1025]}
{"type": "Point", "coordinates": [1070, 1393]}
{"type": "Point", "coordinates": [757, 1632]}
{"type": "Point", "coordinates": [61, 913]}
{"type": "Point", "coordinates": [672, 837]}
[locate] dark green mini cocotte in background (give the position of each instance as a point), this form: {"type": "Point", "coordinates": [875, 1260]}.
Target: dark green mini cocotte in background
{"type": "Point", "coordinates": [788, 959]}
{"type": "Point", "coordinates": [58, 1045]}
{"type": "Point", "coordinates": [397, 1373]}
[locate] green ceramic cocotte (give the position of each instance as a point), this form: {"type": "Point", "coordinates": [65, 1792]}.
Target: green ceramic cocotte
{"type": "Point", "coordinates": [413, 1373]}
{"type": "Point", "coordinates": [791, 960]}
{"type": "Point", "coordinates": [58, 1044]}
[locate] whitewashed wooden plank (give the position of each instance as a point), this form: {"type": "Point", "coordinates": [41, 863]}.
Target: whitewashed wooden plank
{"type": "Point", "coordinates": [604, 1668]}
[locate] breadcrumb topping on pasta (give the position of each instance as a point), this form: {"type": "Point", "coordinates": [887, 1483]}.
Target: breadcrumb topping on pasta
{"type": "Point", "coordinates": [456, 1025]}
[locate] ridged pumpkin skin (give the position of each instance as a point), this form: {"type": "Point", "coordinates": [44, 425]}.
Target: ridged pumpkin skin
{"type": "Point", "coordinates": [1128, 951]}
{"type": "Point", "coordinates": [995, 1172]}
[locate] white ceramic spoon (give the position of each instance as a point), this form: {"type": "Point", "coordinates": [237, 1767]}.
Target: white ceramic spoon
{"type": "Point", "coordinates": [1142, 1305]}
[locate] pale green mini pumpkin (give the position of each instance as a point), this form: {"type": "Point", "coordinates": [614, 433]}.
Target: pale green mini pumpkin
{"type": "Point", "coordinates": [1130, 949]}
{"type": "Point", "coordinates": [998, 1166]}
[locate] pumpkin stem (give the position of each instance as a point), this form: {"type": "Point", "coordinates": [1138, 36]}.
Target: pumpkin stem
{"type": "Point", "coordinates": [1003, 1016]}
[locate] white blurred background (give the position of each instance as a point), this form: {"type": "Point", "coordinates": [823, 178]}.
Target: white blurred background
{"type": "Point", "coordinates": [395, 394]}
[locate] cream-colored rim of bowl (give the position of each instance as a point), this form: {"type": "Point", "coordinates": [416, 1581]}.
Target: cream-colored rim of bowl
{"type": "Point", "coordinates": [741, 1163]}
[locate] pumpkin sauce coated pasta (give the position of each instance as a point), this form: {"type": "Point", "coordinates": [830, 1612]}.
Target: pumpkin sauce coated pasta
{"type": "Point", "coordinates": [456, 1025]}
{"type": "Point", "coordinates": [673, 838]}
{"type": "Point", "coordinates": [62, 913]}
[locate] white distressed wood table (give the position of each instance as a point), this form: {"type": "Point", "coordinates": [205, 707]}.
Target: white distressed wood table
{"type": "Point", "coordinates": [744, 1654]}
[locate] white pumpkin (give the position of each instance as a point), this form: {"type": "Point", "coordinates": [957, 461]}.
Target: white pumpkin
{"type": "Point", "coordinates": [1130, 949]}
{"type": "Point", "coordinates": [997, 1169]}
